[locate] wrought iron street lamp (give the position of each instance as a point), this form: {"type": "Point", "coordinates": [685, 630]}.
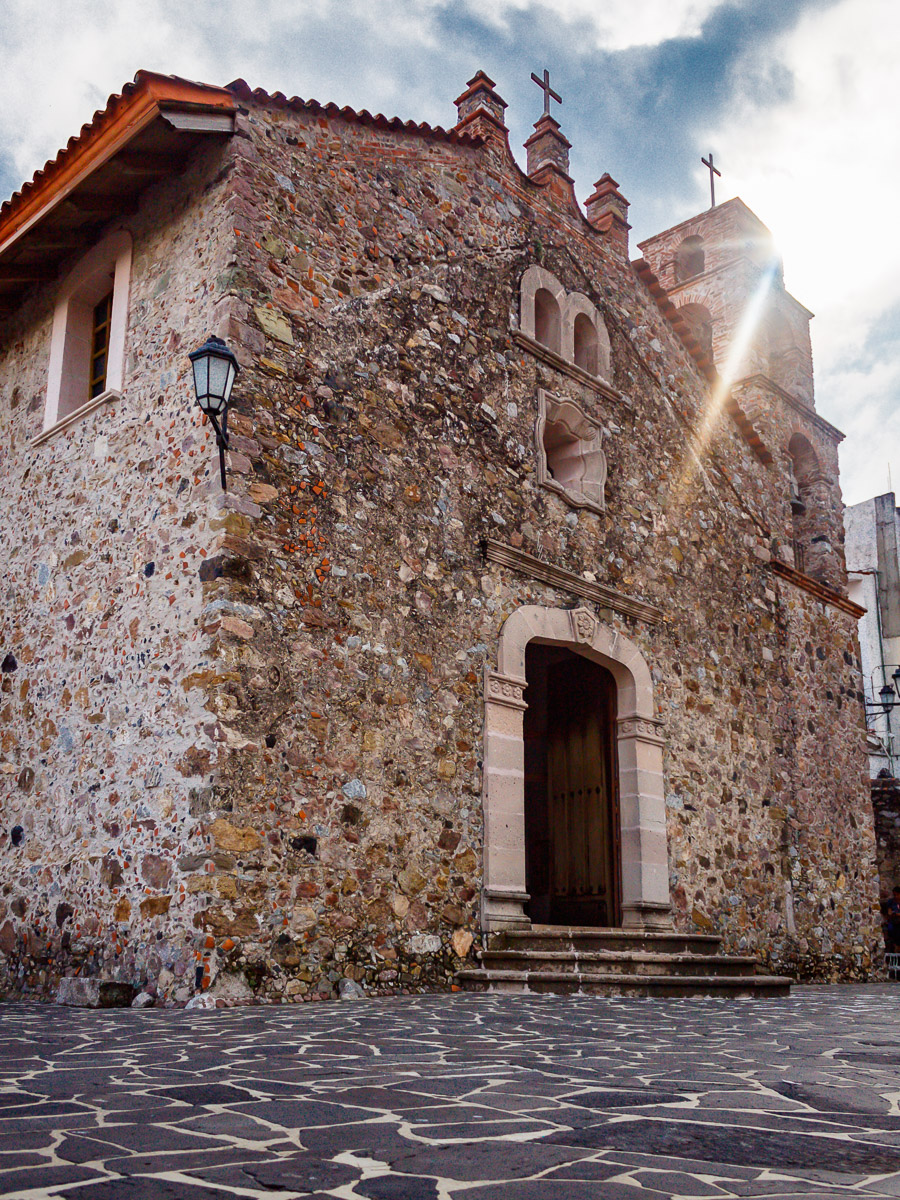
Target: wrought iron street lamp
{"type": "Point", "coordinates": [890, 694]}
{"type": "Point", "coordinates": [215, 370]}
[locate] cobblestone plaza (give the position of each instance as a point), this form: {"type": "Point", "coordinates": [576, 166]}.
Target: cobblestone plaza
{"type": "Point", "coordinates": [457, 1098]}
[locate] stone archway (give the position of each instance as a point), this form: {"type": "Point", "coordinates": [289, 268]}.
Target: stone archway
{"type": "Point", "coordinates": [644, 855]}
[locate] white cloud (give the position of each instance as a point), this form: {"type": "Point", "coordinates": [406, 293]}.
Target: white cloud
{"type": "Point", "coordinates": [619, 24]}
{"type": "Point", "coordinates": [59, 68]}
{"type": "Point", "coordinates": [56, 70]}
{"type": "Point", "coordinates": [822, 169]}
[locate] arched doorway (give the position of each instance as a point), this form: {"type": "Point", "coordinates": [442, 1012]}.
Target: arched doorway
{"type": "Point", "coordinates": [643, 872]}
{"type": "Point", "coordinates": [571, 790]}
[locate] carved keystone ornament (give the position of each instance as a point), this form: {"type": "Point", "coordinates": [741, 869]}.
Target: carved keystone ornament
{"type": "Point", "coordinates": [584, 623]}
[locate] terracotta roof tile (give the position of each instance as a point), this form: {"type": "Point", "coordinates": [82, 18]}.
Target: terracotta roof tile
{"type": "Point", "coordinates": [101, 118]}
{"type": "Point", "coordinates": [241, 89]}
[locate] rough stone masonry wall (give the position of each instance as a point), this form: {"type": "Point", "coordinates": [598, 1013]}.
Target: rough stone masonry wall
{"type": "Point", "coordinates": [820, 529]}
{"type": "Point", "coordinates": [828, 834]}
{"type": "Point", "coordinates": [384, 428]}
{"type": "Point", "coordinates": [302, 802]}
{"type": "Point", "coordinates": [886, 805]}
{"type": "Point", "coordinates": [105, 747]}
{"type": "Point", "coordinates": [770, 839]}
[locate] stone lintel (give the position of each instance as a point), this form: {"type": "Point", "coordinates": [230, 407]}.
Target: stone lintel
{"type": "Point", "coordinates": [568, 581]}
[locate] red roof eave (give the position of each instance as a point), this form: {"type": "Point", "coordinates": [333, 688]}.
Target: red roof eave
{"type": "Point", "coordinates": [111, 128]}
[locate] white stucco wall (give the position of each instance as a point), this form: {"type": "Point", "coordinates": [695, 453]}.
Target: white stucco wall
{"type": "Point", "coordinates": [861, 548]}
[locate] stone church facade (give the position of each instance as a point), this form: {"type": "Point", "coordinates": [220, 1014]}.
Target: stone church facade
{"type": "Point", "coordinates": [526, 602]}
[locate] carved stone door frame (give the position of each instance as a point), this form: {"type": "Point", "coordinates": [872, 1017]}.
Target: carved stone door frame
{"type": "Point", "coordinates": [642, 807]}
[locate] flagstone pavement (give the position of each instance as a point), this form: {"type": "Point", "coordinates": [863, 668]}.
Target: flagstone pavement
{"type": "Point", "coordinates": [464, 1097]}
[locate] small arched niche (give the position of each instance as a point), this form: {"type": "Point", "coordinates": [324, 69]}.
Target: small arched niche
{"type": "Point", "coordinates": [699, 323]}
{"type": "Point", "coordinates": [569, 325]}
{"type": "Point", "coordinates": [585, 340]}
{"type": "Point", "coordinates": [547, 320]}
{"type": "Point", "coordinates": [805, 479]}
{"type": "Point", "coordinates": [541, 302]}
{"type": "Point", "coordinates": [570, 457]}
{"type": "Point", "coordinates": [690, 259]}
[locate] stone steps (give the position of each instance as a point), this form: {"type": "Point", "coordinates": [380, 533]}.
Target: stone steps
{"type": "Point", "coordinates": [588, 938]}
{"type": "Point", "coordinates": [615, 962]}
{"type": "Point", "coordinates": [608, 984]}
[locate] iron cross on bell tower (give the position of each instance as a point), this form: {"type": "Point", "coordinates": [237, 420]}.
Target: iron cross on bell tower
{"type": "Point", "coordinates": [544, 85]}
{"type": "Point", "coordinates": [713, 172]}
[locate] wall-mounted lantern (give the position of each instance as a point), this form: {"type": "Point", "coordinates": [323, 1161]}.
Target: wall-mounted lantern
{"type": "Point", "coordinates": [889, 694]}
{"type": "Point", "coordinates": [215, 370]}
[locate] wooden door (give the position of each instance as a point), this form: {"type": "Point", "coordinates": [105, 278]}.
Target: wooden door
{"type": "Point", "coordinates": [582, 807]}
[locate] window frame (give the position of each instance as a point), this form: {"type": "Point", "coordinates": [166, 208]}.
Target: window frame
{"type": "Point", "coordinates": [105, 267]}
{"type": "Point", "coordinates": [537, 283]}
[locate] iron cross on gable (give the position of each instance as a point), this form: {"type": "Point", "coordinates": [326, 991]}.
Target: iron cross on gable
{"type": "Point", "coordinates": [544, 85]}
{"type": "Point", "coordinates": [713, 172]}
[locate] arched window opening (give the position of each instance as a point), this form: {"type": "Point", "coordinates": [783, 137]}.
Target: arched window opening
{"type": "Point", "coordinates": [699, 323]}
{"type": "Point", "coordinates": [547, 320]}
{"type": "Point", "coordinates": [586, 344]}
{"type": "Point", "coordinates": [808, 540]}
{"type": "Point", "coordinates": [690, 259]}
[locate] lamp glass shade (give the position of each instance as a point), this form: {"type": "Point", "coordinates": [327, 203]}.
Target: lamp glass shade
{"type": "Point", "coordinates": [215, 370]}
{"type": "Point", "coordinates": [888, 697]}
{"type": "Point", "coordinates": [201, 378]}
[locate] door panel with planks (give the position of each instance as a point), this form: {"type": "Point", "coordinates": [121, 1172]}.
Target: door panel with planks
{"type": "Point", "coordinates": [572, 777]}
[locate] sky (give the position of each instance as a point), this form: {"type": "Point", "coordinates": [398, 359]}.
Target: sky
{"type": "Point", "coordinates": [794, 97]}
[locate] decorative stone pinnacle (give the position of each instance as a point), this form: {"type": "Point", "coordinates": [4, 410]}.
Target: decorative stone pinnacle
{"type": "Point", "coordinates": [607, 211]}
{"type": "Point", "coordinates": [481, 109]}
{"type": "Point", "coordinates": [548, 147]}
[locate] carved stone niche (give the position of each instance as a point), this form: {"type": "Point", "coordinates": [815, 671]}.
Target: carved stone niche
{"type": "Point", "coordinates": [570, 458]}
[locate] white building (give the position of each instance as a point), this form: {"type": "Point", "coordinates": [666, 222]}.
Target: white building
{"type": "Point", "coordinates": [873, 566]}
